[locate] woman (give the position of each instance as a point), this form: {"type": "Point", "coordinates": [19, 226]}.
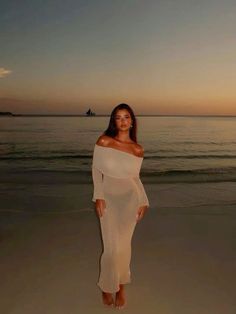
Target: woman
{"type": "Point", "coordinates": [120, 200]}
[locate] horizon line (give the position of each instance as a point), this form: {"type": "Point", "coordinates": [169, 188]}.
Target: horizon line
{"type": "Point", "coordinates": [107, 115]}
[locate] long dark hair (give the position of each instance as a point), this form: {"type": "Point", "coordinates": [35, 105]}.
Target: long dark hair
{"type": "Point", "coordinates": [112, 130]}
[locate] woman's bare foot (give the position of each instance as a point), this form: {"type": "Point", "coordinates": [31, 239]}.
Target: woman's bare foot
{"type": "Point", "coordinates": [120, 298]}
{"type": "Point", "coordinates": [107, 299]}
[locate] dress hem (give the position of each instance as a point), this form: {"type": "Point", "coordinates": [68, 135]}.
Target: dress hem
{"type": "Point", "coordinates": [116, 290]}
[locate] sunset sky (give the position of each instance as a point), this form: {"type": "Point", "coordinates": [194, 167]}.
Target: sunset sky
{"type": "Point", "coordinates": [159, 56]}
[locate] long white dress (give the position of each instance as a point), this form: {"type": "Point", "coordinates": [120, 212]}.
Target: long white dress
{"type": "Point", "coordinates": [116, 180]}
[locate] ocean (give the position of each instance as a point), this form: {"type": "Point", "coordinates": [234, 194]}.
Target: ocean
{"type": "Point", "coordinates": [177, 148]}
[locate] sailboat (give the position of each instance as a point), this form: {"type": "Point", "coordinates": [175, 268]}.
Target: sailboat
{"type": "Point", "coordinates": [90, 113]}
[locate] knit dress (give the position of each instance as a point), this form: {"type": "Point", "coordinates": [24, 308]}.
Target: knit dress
{"type": "Point", "coordinates": [116, 180]}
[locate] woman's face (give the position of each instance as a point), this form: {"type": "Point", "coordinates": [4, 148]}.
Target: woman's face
{"type": "Point", "coordinates": [123, 120]}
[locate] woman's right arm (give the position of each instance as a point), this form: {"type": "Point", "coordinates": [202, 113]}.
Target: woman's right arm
{"type": "Point", "coordinates": [97, 184]}
{"type": "Point", "coordinates": [97, 175]}
{"type": "Point", "coordinates": [98, 196]}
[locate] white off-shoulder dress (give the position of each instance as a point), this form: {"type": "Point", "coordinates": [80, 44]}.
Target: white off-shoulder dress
{"type": "Point", "coordinates": [116, 180]}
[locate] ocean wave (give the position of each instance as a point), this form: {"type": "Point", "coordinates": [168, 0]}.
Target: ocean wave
{"type": "Point", "coordinates": [76, 156]}
{"type": "Point", "coordinates": [19, 156]}
{"type": "Point", "coordinates": [202, 142]}
{"type": "Point", "coordinates": [203, 156]}
{"type": "Point", "coordinates": [174, 172]}
{"type": "Point", "coordinates": [226, 174]}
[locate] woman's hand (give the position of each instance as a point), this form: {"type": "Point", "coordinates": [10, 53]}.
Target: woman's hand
{"type": "Point", "coordinates": [141, 211]}
{"type": "Point", "coordinates": [100, 207]}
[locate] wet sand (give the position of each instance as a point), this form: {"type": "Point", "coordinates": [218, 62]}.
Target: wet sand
{"type": "Point", "coordinates": [183, 251]}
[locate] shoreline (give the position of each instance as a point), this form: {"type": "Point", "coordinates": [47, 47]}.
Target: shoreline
{"type": "Point", "coordinates": [63, 177]}
{"type": "Point", "coordinates": [47, 194]}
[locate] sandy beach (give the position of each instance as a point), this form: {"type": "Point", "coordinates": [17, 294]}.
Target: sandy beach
{"type": "Point", "coordinates": [183, 251]}
{"type": "Point", "coordinates": [94, 94]}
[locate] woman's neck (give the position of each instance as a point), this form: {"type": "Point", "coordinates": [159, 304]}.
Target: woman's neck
{"type": "Point", "coordinates": [123, 138]}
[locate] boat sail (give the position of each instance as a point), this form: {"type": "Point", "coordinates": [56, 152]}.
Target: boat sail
{"type": "Point", "coordinates": [90, 113]}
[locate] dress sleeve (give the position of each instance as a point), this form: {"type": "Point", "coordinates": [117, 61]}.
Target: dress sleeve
{"type": "Point", "coordinates": [143, 201]}
{"type": "Point", "coordinates": [97, 184]}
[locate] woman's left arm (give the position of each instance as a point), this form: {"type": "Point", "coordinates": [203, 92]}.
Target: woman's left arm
{"type": "Point", "coordinates": [143, 200]}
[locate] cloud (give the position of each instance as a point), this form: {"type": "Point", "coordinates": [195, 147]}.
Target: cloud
{"type": "Point", "coordinates": [4, 72]}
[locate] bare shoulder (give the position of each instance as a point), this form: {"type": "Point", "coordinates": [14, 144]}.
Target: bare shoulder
{"type": "Point", "coordinates": [139, 151]}
{"type": "Point", "coordinates": [104, 140]}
